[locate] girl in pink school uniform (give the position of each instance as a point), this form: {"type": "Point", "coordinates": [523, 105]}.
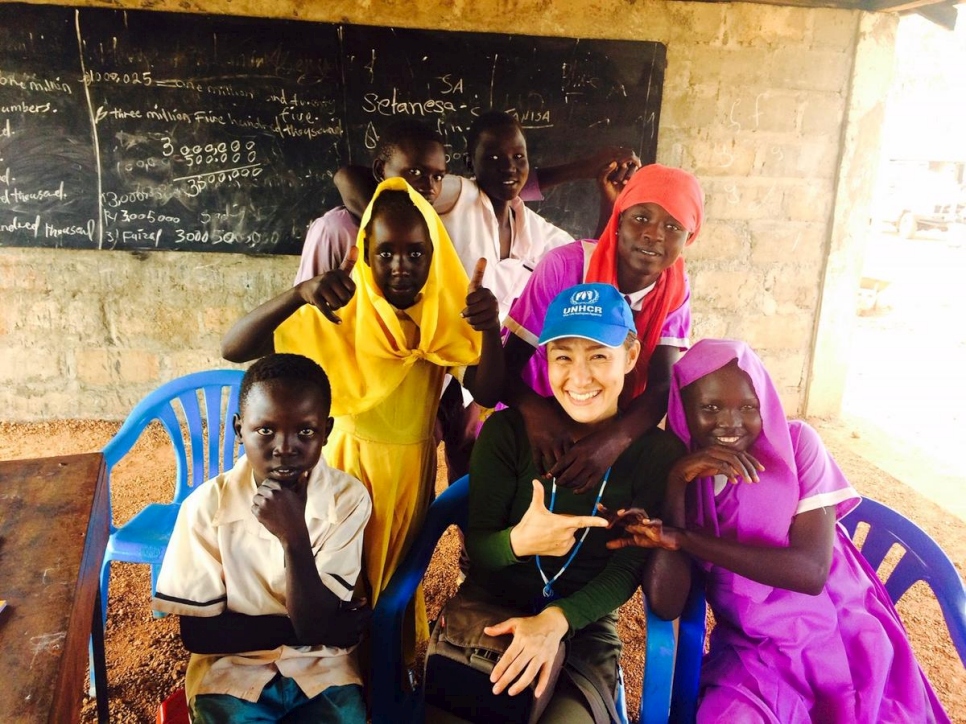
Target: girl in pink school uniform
{"type": "Point", "coordinates": [805, 632]}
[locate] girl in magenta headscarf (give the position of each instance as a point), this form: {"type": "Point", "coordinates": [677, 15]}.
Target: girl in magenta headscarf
{"type": "Point", "coordinates": [805, 631]}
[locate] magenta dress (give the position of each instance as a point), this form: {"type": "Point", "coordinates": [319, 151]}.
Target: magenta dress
{"type": "Point", "coordinates": [776, 655]}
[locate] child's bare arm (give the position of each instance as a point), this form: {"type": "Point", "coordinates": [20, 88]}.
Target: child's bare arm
{"type": "Point", "coordinates": [624, 158]}
{"type": "Point", "coordinates": [356, 185]}
{"type": "Point", "coordinates": [646, 532]}
{"type": "Point", "coordinates": [801, 566]}
{"type": "Point", "coordinates": [667, 574]}
{"type": "Point", "coordinates": [252, 335]}
{"type": "Point", "coordinates": [666, 579]}
{"type": "Point", "coordinates": [485, 379]}
{"type": "Point", "coordinates": [233, 633]}
{"type": "Point", "coordinates": [611, 166]}
{"type": "Point", "coordinates": [548, 426]}
{"type": "Point", "coordinates": [318, 616]}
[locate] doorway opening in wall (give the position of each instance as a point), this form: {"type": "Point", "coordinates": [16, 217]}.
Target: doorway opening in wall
{"type": "Point", "coordinates": [906, 387]}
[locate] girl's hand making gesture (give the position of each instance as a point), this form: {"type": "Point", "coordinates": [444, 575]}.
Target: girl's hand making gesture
{"type": "Point", "coordinates": [485, 379]}
{"type": "Point", "coordinates": [332, 290]}
{"type": "Point", "coordinates": [482, 312]}
{"type": "Point", "coordinates": [640, 530]}
{"type": "Point", "coordinates": [734, 465]}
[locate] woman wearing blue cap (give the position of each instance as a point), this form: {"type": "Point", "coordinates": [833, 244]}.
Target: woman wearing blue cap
{"type": "Point", "coordinates": [540, 550]}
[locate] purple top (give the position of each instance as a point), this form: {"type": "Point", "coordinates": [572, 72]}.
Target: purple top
{"type": "Point", "coordinates": [327, 242]}
{"type": "Point", "coordinates": [559, 269]}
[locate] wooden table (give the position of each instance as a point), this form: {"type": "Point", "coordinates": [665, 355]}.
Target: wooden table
{"type": "Point", "coordinates": [53, 531]}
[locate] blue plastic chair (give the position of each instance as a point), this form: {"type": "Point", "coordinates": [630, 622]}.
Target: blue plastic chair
{"type": "Point", "coordinates": [394, 702]}
{"type": "Point", "coordinates": [690, 651]}
{"type": "Point", "coordinates": [196, 411]}
{"type": "Point", "coordinates": [692, 627]}
{"type": "Point", "coordinates": [922, 560]}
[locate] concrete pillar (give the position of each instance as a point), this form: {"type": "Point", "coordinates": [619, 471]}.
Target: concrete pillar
{"type": "Point", "coordinates": [858, 166]}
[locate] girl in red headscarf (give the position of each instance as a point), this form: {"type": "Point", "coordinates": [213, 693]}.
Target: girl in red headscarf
{"type": "Point", "coordinates": [658, 213]}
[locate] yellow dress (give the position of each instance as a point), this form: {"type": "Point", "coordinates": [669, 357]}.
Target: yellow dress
{"type": "Point", "coordinates": [391, 449]}
{"type": "Point", "coordinates": [386, 368]}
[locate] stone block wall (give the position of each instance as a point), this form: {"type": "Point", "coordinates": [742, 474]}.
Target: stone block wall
{"type": "Point", "coordinates": [86, 334]}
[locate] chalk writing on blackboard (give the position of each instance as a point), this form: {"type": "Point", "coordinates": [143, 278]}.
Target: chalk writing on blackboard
{"type": "Point", "coordinates": [138, 130]}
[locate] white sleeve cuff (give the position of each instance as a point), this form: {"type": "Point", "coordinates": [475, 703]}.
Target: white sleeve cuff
{"type": "Point", "coordinates": [522, 332]}
{"type": "Point", "coordinates": [678, 342]}
{"type": "Point", "coordinates": [826, 500]}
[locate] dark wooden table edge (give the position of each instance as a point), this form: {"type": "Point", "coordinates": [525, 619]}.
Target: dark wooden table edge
{"type": "Point", "coordinates": [67, 698]}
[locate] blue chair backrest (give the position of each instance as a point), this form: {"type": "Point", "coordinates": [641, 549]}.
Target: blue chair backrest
{"type": "Point", "coordinates": [922, 559]}
{"type": "Point", "coordinates": [196, 411]}
{"type": "Point", "coordinates": [692, 627]}
{"type": "Point", "coordinates": [393, 702]}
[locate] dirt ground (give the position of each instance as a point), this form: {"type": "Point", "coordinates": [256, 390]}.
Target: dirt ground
{"type": "Point", "coordinates": [146, 661]}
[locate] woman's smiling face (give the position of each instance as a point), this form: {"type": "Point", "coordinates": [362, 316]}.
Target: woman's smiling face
{"type": "Point", "coordinates": [587, 377]}
{"type": "Point", "coordinates": [722, 409]}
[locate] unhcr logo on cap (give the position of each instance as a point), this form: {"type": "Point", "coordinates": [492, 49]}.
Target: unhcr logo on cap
{"type": "Point", "coordinates": [584, 301]}
{"type": "Point", "coordinates": [585, 296]}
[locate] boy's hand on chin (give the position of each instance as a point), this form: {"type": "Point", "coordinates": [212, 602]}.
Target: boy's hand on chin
{"type": "Point", "coordinates": [332, 290]}
{"type": "Point", "coordinates": [482, 312]}
{"type": "Point", "coordinates": [280, 507]}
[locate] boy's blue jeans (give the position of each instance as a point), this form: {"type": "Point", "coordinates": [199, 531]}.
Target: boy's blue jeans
{"type": "Point", "coordinates": [283, 701]}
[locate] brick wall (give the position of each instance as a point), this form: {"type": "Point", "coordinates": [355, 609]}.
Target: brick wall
{"type": "Point", "coordinates": [758, 102]}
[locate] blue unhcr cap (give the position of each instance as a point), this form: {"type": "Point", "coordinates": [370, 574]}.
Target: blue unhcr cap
{"type": "Point", "coordinates": [597, 312]}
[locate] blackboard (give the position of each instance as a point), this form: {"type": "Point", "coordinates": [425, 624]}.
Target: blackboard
{"type": "Point", "coordinates": [140, 130]}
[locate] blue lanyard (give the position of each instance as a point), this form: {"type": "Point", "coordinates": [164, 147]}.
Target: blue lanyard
{"type": "Point", "coordinates": [548, 583]}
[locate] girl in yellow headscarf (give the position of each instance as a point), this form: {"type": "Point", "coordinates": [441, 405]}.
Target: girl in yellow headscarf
{"type": "Point", "coordinates": [386, 331]}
